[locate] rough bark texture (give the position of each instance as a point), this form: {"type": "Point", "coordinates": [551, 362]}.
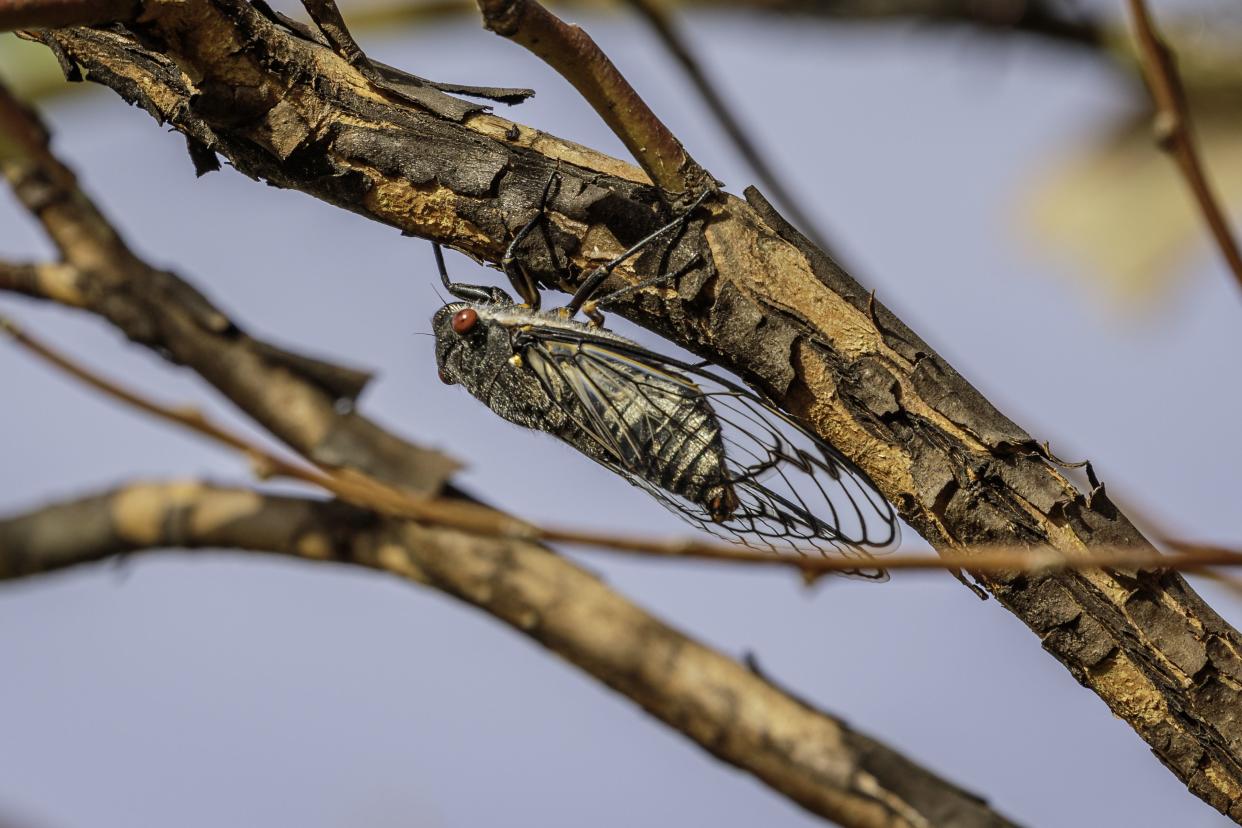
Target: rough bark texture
{"type": "Point", "coordinates": [765, 304]}
{"type": "Point", "coordinates": [815, 759]}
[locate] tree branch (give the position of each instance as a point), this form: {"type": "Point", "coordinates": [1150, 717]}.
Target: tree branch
{"type": "Point", "coordinates": [815, 759]}
{"type": "Point", "coordinates": [1175, 133]}
{"type": "Point", "coordinates": [158, 309]}
{"type": "Point", "coordinates": [571, 51]}
{"type": "Point", "coordinates": [766, 304]}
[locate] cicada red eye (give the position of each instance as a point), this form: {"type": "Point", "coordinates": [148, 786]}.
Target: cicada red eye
{"type": "Point", "coordinates": [464, 321]}
{"type": "Point", "coordinates": [445, 378]}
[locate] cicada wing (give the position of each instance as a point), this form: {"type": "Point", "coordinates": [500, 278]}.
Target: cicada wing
{"type": "Point", "coordinates": [794, 489]}
{"type": "Point", "coordinates": [628, 405]}
{"type": "Point", "coordinates": [598, 414]}
{"type": "Point", "coordinates": [795, 492]}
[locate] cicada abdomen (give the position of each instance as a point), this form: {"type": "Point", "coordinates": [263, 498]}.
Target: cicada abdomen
{"type": "Point", "coordinates": [656, 424]}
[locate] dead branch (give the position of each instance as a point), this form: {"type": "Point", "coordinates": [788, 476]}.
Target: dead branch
{"type": "Point", "coordinates": [767, 305]}
{"type": "Point", "coordinates": [813, 758]}
{"type": "Point", "coordinates": [156, 308]}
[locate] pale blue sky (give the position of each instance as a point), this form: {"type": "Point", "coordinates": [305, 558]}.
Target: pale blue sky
{"type": "Point", "coordinates": [233, 690]}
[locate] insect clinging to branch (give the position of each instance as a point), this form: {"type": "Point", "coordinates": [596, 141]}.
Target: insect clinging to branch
{"type": "Point", "coordinates": [716, 453]}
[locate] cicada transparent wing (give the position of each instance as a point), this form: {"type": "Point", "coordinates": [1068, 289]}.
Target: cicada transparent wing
{"type": "Point", "coordinates": [788, 491]}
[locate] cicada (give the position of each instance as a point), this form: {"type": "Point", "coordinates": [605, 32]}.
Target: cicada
{"type": "Point", "coordinates": [713, 451]}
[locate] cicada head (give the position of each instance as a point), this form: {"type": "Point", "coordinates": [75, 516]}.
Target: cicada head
{"type": "Point", "coordinates": [470, 346]}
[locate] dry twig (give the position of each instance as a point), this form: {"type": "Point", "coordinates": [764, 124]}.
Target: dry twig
{"type": "Point", "coordinates": [1175, 132]}
{"type": "Point", "coordinates": [662, 24]}
{"type": "Point", "coordinates": [571, 51]}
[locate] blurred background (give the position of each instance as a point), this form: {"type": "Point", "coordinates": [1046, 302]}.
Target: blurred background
{"type": "Point", "coordinates": [999, 191]}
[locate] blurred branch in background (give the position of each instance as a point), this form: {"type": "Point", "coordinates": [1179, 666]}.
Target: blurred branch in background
{"type": "Point", "coordinates": [1048, 20]}
{"type": "Point", "coordinates": [1175, 133]}
{"type": "Point", "coordinates": [661, 22]}
{"type": "Point", "coordinates": [805, 754]}
{"type": "Point", "coordinates": [33, 74]}
{"type": "Point", "coordinates": [51, 14]}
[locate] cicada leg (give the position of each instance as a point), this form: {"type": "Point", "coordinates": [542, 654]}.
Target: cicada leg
{"type": "Point", "coordinates": [468, 293]}
{"type": "Point", "coordinates": [521, 279]}
{"type": "Point", "coordinates": [597, 276]}
{"type": "Point", "coordinates": [590, 308]}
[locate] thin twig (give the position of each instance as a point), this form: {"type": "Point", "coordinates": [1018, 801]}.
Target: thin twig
{"type": "Point", "coordinates": [662, 24]}
{"type": "Point", "coordinates": [359, 490]}
{"type": "Point", "coordinates": [349, 485]}
{"type": "Point", "coordinates": [571, 52]}
{"type": "Point", "coordinates": [1174, 131]}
